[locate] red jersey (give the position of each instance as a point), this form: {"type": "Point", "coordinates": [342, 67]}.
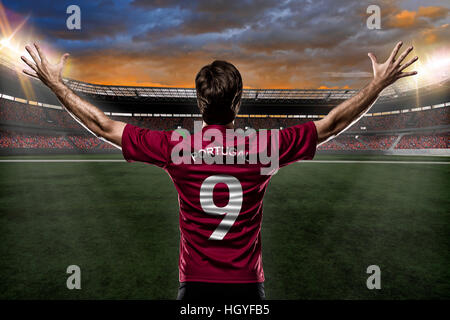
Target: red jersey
{"type": "Point", "coordinates": [221, 204]}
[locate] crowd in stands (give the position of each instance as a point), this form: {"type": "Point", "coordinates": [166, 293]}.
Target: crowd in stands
{"type": "Point", "coordinates": [20, 113]}
{"type": "Point", "coordinates": [106, 146]}
{"type": "Point", "coordinates": [343, 142]}
{"type": "Point", "coordinates": [378, 142]}
{"type": "Point", "coordinates": [19, 140]}
{"type": "Point", "coordinates": [331, 145]}
{"type": "Point", "coordinates": [418, 119]}
{"type": "Point", "coordinates": [61, 119]}
{"type": "Point", "coordinates": [436, 141]}
{"type": "Point", "coordinates": [16, 140]}
{"type": "Point", "coordinates": [16, 113]}
{"type": "Point", "coordinates": [384, 142]}
{"type": "Point", "coordinates": [85, 143]}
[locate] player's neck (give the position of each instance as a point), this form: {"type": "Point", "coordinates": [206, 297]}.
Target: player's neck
{"type": "Point", "coordinates": [228, 125]}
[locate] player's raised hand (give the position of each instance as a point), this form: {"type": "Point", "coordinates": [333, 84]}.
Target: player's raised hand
{"type": "Point", "coordinates": [388, 72]}
{"type": "Point", "coordinates": [49, 74]}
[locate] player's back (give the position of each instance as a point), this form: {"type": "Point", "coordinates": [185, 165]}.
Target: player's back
{"type": "Point", "coordinates": [221, 177]}
{"type": "Point", "coordinates": [220, 195]}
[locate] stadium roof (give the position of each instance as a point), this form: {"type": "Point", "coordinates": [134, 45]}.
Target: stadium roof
{"type": "Point", "coordinates": [189, 93]}
{"type": "Point", "coordinates": [257, 95]}
{"type": "Point", "coordinates": [399, 89]}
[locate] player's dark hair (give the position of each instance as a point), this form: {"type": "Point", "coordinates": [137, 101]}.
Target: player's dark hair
{"type": "Point", "coordinates": [219, 92]}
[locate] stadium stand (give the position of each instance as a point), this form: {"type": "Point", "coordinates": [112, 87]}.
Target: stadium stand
{"type": "Point", "coordinates": [50, 118]}
{"type": "Point", "coordinates": [88, 142]}
{"type": "Point", "coordinates": [332, 145]}
{"type": "Point", "coordinates": [21, 113]}
{"type": "Point", "coordinates": [15, 113]}
{"type": "Point", "coordinates": [378, 142]}
{"type": "Point", "coordinates": [20, 140]}
{"type": "Point", "coordinates": [36, 121]}
{"type": "Point", "coordinates": [434, 141]}
{"type": "Point", "coordinates": [17, 140]}
{"type": "Point", "coordinates": [409, 120]}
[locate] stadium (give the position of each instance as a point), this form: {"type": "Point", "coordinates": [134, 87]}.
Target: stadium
{"type": "Point", "coordinates": [400, 123]}
{"type": "Point", "coordinates": [375, 195]}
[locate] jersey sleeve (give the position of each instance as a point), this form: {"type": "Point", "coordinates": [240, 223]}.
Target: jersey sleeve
{"type": "Point", "coordinates": [297, 143]}
{"type": "Point", "coordinates": [145, 145]}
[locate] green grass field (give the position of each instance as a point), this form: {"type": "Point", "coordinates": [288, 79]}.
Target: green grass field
{"type": "Point", "coordinates": [323, 225]}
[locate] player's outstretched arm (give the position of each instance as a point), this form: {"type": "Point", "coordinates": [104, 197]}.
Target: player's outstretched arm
{"type": "Point", "coordinates": [92, 117]}
{"type": "Point", "coordinates": [349, 111]}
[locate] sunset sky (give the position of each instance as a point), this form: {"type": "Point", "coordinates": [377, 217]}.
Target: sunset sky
{"type": "Point", "coordinates": [274, 43]}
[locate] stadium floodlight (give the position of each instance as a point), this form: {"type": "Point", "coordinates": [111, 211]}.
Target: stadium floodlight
{"type": "Point", "coordinates": [7, 42]}
{"type": "Point", "coordinates": [434, 67]}
{"type": "Point", "coordinates": [4, 42]}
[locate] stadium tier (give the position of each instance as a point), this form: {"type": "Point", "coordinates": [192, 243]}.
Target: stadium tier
{"type": "Point", "coordinates": [19, 140]}
{"type": "Point", "coordinates": [33, 120]}
{"type": "Point", "coordinates": [16, 140]}
{"type": "Point", "coordinates": [424, 141]}
{"type": "Point", "coordinates": [34, 127]}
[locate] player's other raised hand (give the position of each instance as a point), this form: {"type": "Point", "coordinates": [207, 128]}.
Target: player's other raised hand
{"type": "Point", "coordinates": [388, 72]}
{"type": "Point", "coordinates": [49, 74]}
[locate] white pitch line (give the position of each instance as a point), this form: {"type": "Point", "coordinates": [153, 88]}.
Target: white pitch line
{"type": "Point", "coordinates": [307, 161]}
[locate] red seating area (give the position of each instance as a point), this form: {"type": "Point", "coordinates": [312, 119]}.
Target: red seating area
{"type": "Point", "coordinates": [13, 111]}
{"type": "Point", "coordinates": [436, 141]}
{"type": "Point", "coordinates": [19, 140]}
{"type": "Point", "coordinates": [85, 143]}
{"type": "Point", "coordinates": [18, 112]}
{"type": "Point", "coordinates": [331, 145]}
{"type": "Point", "coordinates": [379, 142]}
{"type": "Point", "coordinates": [47, 118]}
{"type": "Point", "coordinates": [418, 119]}
{"type": "Point", "coordinates": [11, 139]}
{"type": "Point", "coordinates": [106, 146]}
{"type": "Point", "coordinates": [62, 119]}
{"type": "Point", "coordinates": [362, 142]}
{"type": "Point", "coordinates": [89, 142]}
{"type": "Point", "coordinates": [351, 143]}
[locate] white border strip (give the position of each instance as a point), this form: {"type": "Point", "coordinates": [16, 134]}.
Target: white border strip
{"type": "Point", "coordinates": [305, 161]}
{"type": "Point", "coordinates": [60, 160]}
{"type": "Point", "coordinates": [376, 161]}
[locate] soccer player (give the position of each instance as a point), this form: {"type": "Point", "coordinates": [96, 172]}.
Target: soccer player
{"type": "Point", "coordinates": [221, 203]}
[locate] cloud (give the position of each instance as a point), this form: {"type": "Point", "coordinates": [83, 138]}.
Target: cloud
{"type": "Point", "coordinates": [202, 17]}
{"type": "Point", "coordinates": [404, 19]}
{"type": "Point", "coordinates": [274, 43]}
{"type": "Point", "coordinates": [335, 87]}
{"type": "Point", "coordinates": [352, 74]}
{"type": "Point", "coordinates": [103, 19]}
{"type": "Point", "coordinates": [437, 34]}
{"type": "Point", "coordinates": [422, 17]}
{"type": "Point", "coordinates": [433, 12]}
{"type": "Point", "coordinates": [285, 44]}
{"type": "Point", "coordinates": [155, 4]}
